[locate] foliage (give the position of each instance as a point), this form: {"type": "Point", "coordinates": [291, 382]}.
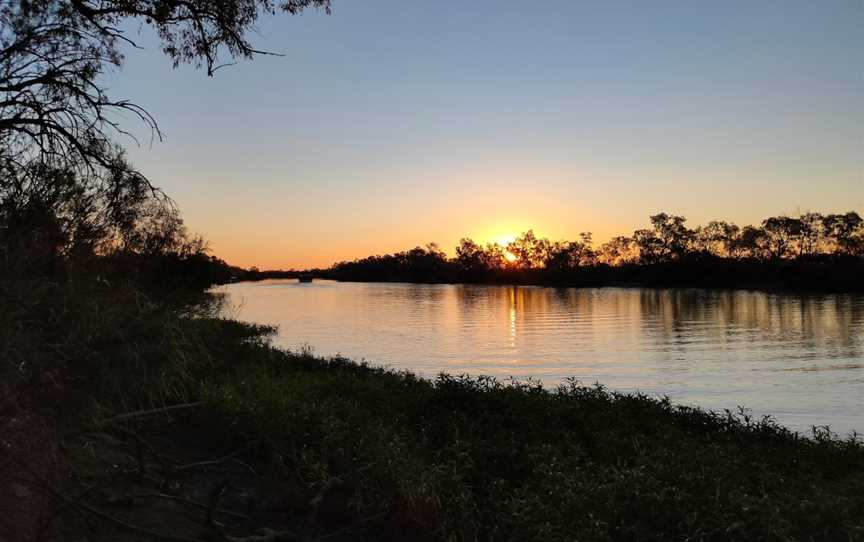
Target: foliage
{"type": "Point", "coordinates": [53, 52]}
{"type": "Point", "coordinates": [82, 232]}
{"type": "Point", "coordinates": [477, 459]}
{"type": "Point", "coordinates": [811, 251]}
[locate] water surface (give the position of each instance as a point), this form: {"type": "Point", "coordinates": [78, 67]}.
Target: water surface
{"type": "Point", "coordinates": [796, 357]}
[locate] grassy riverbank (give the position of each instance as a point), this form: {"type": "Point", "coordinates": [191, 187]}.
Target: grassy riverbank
{"type": "Point", "coordinates": [330, 448]}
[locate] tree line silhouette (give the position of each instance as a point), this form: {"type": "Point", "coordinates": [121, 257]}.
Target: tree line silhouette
{"type": "Point", "coordinates": [812, 251]}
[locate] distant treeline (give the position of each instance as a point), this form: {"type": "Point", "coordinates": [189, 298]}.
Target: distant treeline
{"type": "Point", "coordinates": [811, 251]}
{"type": "Point", "coordinates": [253, 273]}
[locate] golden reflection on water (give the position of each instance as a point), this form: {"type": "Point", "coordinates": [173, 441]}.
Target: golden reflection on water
{"type": "Point", "coordinates": [796, 356]}
{"type": "Point", "coordinates": [512, 293]}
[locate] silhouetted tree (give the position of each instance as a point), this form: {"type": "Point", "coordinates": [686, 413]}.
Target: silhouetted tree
{"type": "Point", "coordinates": [57, 119]}
{"type": "Point", "coordinates": [715, 238]}
{"type": "Point", "coordinates": [425, 263]}
{"type": "Point", "coordinates": [648, 246]}
{"type": "Point", "coordinates": [566, 255]}
{"type": "Point", "coordinates": [620, 250]}
{"type": "Point", "coordinates": [530, 251]}
{"type": "Point", "coordinates": [65, 186]}
{"type": "Point", "coordinates": [738, 256]}
{"type": "Point", "coordinates": [673, 236]}
{"type": "Point", "coordinates": [810, 233]}
{"type": "Point", "coordinates": [782, 233]}
{"type": "Point", "coordinates": [845, 231]}
{"type": "Point", "coordinates": [751, 242]}
{"type": "Point", "coordinates": [494, 255]}
{"type": "Point", "coordinates": [53, 52]}
{"type": "Point", "coordinates": [471, 258]}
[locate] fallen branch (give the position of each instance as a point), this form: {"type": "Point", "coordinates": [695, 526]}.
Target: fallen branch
{"type": "Point", "coordinates": [216, 462]}
{"type": "Point", "coordinates": [131, 415]}
{"type": "Point", "coordinates": [141, 413]}
{"type": "Point", "coordinates": [184, 500]}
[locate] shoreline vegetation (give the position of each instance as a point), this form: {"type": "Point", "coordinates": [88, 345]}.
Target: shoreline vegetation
{"type": "Point", "coordinates": [812, 252]}
{"type": "Point", "coordinates": [319, 449]}
{"type": "Point", "coordinates": [129, 412]}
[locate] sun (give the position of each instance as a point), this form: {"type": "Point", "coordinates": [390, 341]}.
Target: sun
{"type": "Point", "coordinates": [510, 257]}
{"type": "Point", "coordinates": [505, 240]}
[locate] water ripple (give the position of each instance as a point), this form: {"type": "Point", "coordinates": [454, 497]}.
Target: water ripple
{"type": "Point", "coordinates": [798, 357]}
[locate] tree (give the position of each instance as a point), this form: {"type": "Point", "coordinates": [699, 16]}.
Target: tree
{"type": "Point", "coordinates": [63, 176]}
{"type": "Point", "coordinates": [423, 264]}
{"type": "Point", "coordinates": [470, 256]}
{"type": "Point", "coordinates": [845, 231]}
{"type": "Point", "coordinates": [751, 242]}
{"type": "Point", "coordinates": [782, 232]}
{"type": "Point", "coordinates": [563, 255]}
{"type": "Point", "coordinates": [716, 238]}
{"type": "Point", "coordinates": [619, 250]}
{"type": "Point", "coordinates": [58, 154]}
{"type": "Point", "coordinates": [52, 53]}
{"type": "Point", "coordinates": [529, 250]}
{"type": "Point", "coordinates": [494, 256]}
{"type": "Point", "coordinates": [88, 213]}
{"type": "Point", "coordinates": [673, 236]}
{"type": "Point", "coordinates": [648, 246]}
{"type": "Point", "coordinates": [810, 233]}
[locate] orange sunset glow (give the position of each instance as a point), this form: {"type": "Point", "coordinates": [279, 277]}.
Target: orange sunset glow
{"type": "Point", "coordinates": [593, 138]}
{"type": "Point", "coordinates": [394, 271]}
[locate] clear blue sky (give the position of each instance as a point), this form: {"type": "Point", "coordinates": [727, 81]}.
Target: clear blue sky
{"type": "Point", "coordinates": [391, 123]}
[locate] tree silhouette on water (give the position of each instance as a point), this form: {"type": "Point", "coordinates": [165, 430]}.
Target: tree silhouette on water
{"type": "Point", "coordinates": [782, 251]}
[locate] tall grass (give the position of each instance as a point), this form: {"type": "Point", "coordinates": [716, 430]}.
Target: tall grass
{"type": "Point", "coordinates": [464, 458]}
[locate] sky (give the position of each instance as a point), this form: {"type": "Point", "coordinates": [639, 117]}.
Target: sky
{"type": "Point", "coordinates": [392, 123]}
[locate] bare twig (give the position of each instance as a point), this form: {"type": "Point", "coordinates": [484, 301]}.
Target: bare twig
{"type": "Point", "coordinates": [141, 413]}
{"type": "Point", "coordinates": [211, 462]}
{"type": "Point", "coordinates": [131, 415]}
{"type": "Point", "coordinates": [190, 502]}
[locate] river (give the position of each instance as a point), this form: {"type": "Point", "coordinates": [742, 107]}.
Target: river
{"type": "Point", "coordinates": [797, 357]}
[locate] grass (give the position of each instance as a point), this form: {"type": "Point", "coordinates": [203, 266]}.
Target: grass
{"type": "Point", "coordinates": [344, 447]}
{"type": "Point", "coordinates": [397, 457]}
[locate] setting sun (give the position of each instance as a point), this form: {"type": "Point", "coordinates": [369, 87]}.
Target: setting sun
{"type": "Point", "coordinates": [445, 270]}
{"type": "Point", "coordinates": [505, 240]}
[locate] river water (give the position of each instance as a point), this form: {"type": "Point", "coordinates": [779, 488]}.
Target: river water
{"type": "Point", "coordinates": [797, 357]}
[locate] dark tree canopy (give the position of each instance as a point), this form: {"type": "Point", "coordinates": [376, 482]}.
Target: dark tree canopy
{"type": "Point", "coordinates": [61, 168]}
{"type": "Point", "coordinates": [195, 31]}
{"type": "Point", "coordinates": [53, 52]}
{"type": "Point", "coordinates": [718, 247]}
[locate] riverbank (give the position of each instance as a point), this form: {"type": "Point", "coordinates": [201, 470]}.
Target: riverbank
{"type": "Point", "coordinates": [815, 275]}
{"type": "Point", "coordinates": [326, 448]}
